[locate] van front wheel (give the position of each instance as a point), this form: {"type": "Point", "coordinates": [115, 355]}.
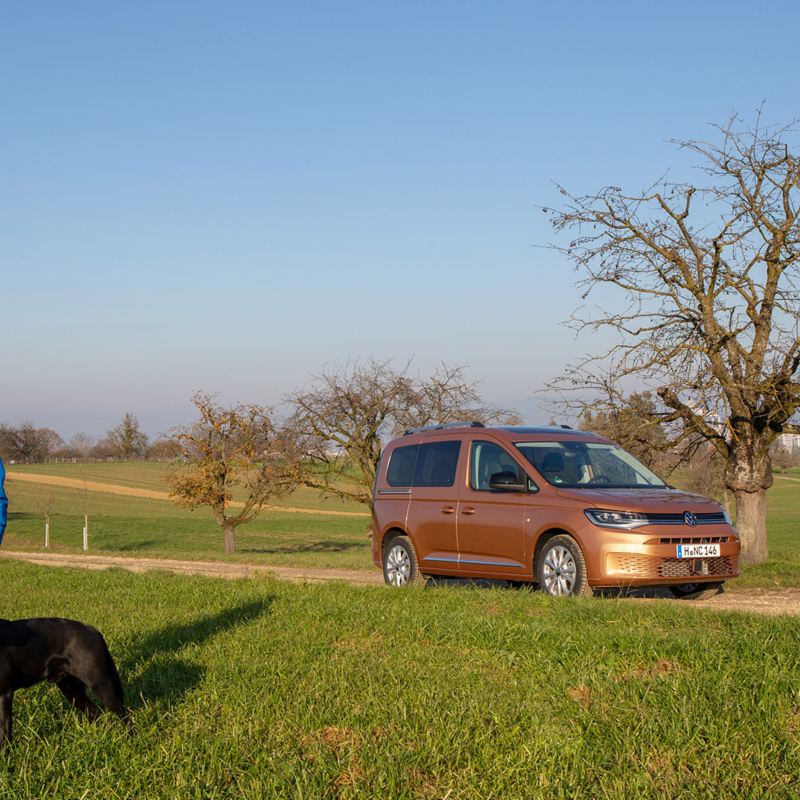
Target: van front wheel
{"type": "Point", "coordinates": [561, 568]}
{"type": "Point", "coordinates": [400, 564]}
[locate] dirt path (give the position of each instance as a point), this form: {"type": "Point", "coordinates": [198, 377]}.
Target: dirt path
{"type": "Point", "coordinates": [771, 602]}
{"type": "Point", "coordinates": [152, 494]}
{"type": "Point", "coordinates": [216, 569]}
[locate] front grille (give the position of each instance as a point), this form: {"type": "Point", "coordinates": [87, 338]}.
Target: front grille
{"type": "Point", "coordinates": [638, 566]}
{"type": "Point", "coordinates": [715, 518]}
{"type": "Point", "coordinates": [690, 540]}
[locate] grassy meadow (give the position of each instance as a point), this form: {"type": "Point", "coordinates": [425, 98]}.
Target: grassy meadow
{"type": "Point", "coordinates": [156, 528]}
{"type": "Point", "coordinates": [257, 688]}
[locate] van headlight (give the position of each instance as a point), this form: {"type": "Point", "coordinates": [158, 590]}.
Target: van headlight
{"type": "Point", "coordinates": [605, 518]}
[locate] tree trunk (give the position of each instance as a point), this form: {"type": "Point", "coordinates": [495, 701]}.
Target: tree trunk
{"type": "Point", "coordinates": [748, 475]}
{"type": "Point", "coordinates": [751, 523]}
{"type": "Point", "coordinates": [229, 538]}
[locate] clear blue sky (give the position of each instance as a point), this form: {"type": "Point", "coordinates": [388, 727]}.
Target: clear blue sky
{"type": "Point", "coordinates": [231, 196]}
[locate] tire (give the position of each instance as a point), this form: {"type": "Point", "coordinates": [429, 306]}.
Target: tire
{"type": "Point", "coordinates": [400, 563]}
{"type": "Point", "coordinates": [561, 568]}
{"type": "Point", "coordinates": [696, 591]}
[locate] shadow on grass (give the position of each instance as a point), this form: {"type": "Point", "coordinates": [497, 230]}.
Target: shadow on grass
{"type": "Point", "coordinates": [628, 593]}
{"type": "Point", "coordinates": [166, 677]}
{"type": "Point", "coordinates": [440, 581]}
{"type": "Point", "coordinates": [19, 516]}
{"type": "Point", "coordinates": [311, 547]}
{"type": "Point", "coordinates": [142, 544]}
{"type": "Point", "coordinates": [643, 592]}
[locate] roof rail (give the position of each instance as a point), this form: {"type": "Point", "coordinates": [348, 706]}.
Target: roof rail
{"type": "Point", "coordinates": [444, 425]}
{"type": "Point", "coordinates": [568, 427]}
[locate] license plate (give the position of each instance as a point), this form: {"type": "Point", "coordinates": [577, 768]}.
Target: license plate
{"type": "Point", "coordinates": [698, 550]}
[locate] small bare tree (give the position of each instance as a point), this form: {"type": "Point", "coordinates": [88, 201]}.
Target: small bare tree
{"type": "Point", "coordinates": [783, 459]}
{"type": "Point", "coordinates": [708, 314]}
{"type": "Point", "coordinates": [127, 438]}
{"type": "Point", "coordinates": [81, 445]}
{"type": "Point", "coordinates": [233, 447]}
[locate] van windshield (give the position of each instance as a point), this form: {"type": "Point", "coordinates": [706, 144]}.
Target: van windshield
{"type": "Point", "coordinates": [582, 464]}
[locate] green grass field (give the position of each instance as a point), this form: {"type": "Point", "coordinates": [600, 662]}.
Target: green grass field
{"type": "Point", "coordinates": [152, 475]}
{"type": "Point", "coordinates": [156, 528]}
{"type": "Point", "coordinates": [263, 689]}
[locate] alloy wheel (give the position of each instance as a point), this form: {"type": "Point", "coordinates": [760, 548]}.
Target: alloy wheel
{"type": "Point", "coordinates": [559, 571]}
{"type": "Point", "coordinates": [398, 566]}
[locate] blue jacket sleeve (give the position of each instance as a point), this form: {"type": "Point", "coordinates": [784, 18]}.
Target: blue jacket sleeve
{"type": "Point", "coordinates": [3, 501]}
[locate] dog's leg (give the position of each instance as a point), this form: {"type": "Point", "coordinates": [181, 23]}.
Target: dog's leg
{"type": "Point", "coordinates": [6, 701]}
{"type": "Point", "coordinates": [75, 692]}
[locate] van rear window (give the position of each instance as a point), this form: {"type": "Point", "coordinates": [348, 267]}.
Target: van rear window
{"type": "Point", "coordinates": [432, 464]}
{"type": "Point", "coordinates": [401, 466]}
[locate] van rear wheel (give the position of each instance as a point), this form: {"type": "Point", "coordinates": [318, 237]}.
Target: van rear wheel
{"type": "Point", "coordinates": [561, 568]}
{"type": "Point", "coordinates": [400, 563]}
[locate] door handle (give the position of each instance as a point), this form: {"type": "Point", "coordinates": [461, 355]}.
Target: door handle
{"type": "Point", "coordinates": [468, 511]}
{"type": "Point", "coordinates": [448, 510]}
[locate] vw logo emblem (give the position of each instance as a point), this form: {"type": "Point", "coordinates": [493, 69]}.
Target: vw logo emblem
{"type": "Point", "coordinates": [689, 518]}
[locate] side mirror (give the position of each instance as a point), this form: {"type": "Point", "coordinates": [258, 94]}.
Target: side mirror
{"type": "Point", "coordinates": [505, 481]}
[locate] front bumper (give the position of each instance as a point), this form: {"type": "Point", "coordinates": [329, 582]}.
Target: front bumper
{"type": "Point", "coordinates": [649, 557]}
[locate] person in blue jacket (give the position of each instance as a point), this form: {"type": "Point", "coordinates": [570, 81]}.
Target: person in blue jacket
{"type": "Point", "coordinates": [3, 502]}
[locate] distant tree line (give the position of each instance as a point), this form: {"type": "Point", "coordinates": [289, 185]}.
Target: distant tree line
{"type": "Point", "coordinates": [28, 444]}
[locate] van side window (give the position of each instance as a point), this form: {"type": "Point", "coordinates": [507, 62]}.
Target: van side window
{"type": "Point", "coordinates": [401, 465]}
{"type": "Point", "coordinates": [487, 458]}
{"type": "Point", "coordinates": [436, 464]}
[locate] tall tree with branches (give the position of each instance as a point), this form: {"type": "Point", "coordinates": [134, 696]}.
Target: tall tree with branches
{"type": "Point", "coordinates": [707, 275]}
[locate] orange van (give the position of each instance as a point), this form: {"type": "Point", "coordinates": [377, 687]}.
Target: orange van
{"type": "Point", "coordinates": [566, 509]}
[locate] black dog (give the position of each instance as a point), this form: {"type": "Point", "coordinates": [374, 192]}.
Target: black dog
{"type": "Point", "coordinates": [70, 654]}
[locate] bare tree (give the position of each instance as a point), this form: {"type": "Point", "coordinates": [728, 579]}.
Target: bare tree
{"type": "Point", "coordinates": [783, 459]}
{"type": "Point", "coordinates": [27, 443]}
{"type": "Point", "coordinates": [234, 447]}
{"type": "Point", "coordinates": [104, 449]}
{"type": "Point", "coordinates": [349, 411]}
{"type": "Point", "coordinates": [127, 438]}
{"type": "Point", "coordinates": [634, 423]}
{"type": "Point", "coordinates": [81, 444]}
{"type": "Point", "coordinates": [342, 418]}
{"type": "Point", "coordinates": [447, 396]}
{"type": "Point", "coordinates": [7, 442]}
{"type": "Point", "coordinates": [707, 274]}
{"type": "Point", "coordinates": [165, 448]}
